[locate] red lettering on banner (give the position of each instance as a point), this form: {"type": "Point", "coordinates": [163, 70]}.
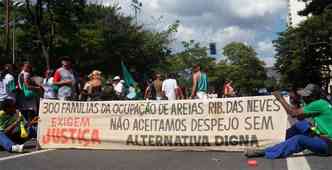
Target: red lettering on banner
{"type": "Point", "coordinates": [95, 136]}
{"type": "Point", "coordinates": [86, 136]}
{"type": "Point", "coordinates": [77, 122]}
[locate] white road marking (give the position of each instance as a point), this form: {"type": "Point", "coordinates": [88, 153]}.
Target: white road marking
{"type": "Point", "coordinates": [25, 154]}
{"type": "Point", "coordinates": [299, 162]}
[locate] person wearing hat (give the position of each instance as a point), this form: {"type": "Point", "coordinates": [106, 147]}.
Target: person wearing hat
{"type": "Point", "coordinates": [92, 88]}
{"type": "Point", "coordinates": [118, 86]}
{"type": "Point", "coordinates": [315, 136]}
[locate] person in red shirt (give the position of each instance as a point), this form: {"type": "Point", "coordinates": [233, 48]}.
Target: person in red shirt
{"type": "Point", "coordinates": [65, 80]}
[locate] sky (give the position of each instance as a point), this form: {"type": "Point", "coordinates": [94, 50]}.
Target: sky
{"type": "Point", "coordinates": [254, 22]}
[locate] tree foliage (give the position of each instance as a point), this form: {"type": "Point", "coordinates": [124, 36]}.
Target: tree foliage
{"type": "Point", "coordinates": [93, 35]}
{"type": "Point", "coordinates": [304, 53]}
{"type": "Point", "coordinates": [244, 68]}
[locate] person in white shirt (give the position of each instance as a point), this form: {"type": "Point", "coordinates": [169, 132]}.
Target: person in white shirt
{"type": "Point", "coordinates": [118, 86]}
{"type": "Point", "coordinates": [3, 90]}
{"type": "Point", "coordinates": [169, 87]}
{"type": "Point", "coordinates": [9, 81]}
{"type": "Point", "coordinates": [48, 85]}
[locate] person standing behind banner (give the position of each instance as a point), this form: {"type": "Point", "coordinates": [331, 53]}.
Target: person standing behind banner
{"type": "Point", "coordinates": [158, 85]}
{"type": "Point", "coordinates": [65, 80]}
{"type": "Point", "coordinates": [29, 96]}
{"type": "Point", "coordinates": [10, 81]}
{"type": "Point", "coordinates": [93, 88]}
{"type": "Point", "coordinates": [169, 87]}
{"type": "Point", "coordinates": [228, 89]}
{"type": "Point", "coordinates": [200, 83]}
{"type": "Point", "coordinates": [150, 91]}
{"type": "Point", "coordinates": [3, 90]}
{"type": "Point", "coordinates": [48, 85]}
{"type": "Point", "coordinates": [118, 87]}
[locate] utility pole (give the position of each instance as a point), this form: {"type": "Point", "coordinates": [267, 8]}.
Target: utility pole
{"type": "Point", "coordinates": [137, 8]}
{"type": "Point", "coordinates": [7, 4]}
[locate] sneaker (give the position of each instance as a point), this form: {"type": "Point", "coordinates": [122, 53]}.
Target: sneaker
{"type": "Point", "coordinates": [251, 153]}
{"type": "Point", "coordinates": [17, 148]}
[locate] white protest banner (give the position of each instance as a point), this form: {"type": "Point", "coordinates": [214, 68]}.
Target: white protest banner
{"type": "Point", "coordinates": [228, 124]}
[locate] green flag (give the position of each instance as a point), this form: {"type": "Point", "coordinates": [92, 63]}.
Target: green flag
{"type": "Point", "coordinates": [127, 76]}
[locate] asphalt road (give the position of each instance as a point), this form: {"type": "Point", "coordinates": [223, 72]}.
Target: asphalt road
{"type": "Point", "coordinates": [154, 160]}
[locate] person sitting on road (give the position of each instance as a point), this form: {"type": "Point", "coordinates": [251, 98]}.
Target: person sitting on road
{"type": "Point", "coordinates": [9, 123]}
{"type": "Point", "coordinates": [316, 136]}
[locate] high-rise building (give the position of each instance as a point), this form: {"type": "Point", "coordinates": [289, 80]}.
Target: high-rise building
{"type": "Point", "coordinates": [294, 6]}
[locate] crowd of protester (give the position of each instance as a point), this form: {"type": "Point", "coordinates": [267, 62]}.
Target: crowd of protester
{"type": "Point", "coordinates": [20, 93]}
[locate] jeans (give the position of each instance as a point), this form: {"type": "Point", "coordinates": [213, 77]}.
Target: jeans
{"type": "Point", "coordinates": [297, 139]}
{"type": "Point", "coordinates": [7, 143]}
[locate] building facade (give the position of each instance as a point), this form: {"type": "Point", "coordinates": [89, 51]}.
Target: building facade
{"type": "Point", "coordinates": [294, 6]}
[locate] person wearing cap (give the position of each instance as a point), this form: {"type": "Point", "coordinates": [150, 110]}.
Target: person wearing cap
{"type": "Point", "coordinates": [315, 136]}
{"type": "Point", "coordinates": [65, 80]}
{"type": "Point", "coordinates": [118, 86]}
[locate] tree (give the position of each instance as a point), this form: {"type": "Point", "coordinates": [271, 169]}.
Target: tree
{"type": "Point", "coordinates": [93, 35]}
{"type": "Point", "coordinates": [244, 68]}
{"type": "Point", "coordinates": [315, 7]}
{"type": "Point", "coordinates": [181, 63]}
{"type": "Point", "coordinates": [304, 53]}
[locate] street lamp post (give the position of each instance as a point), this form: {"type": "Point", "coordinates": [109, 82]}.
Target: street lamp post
{"type": "Point", "coordinates": [7, 26]}
{"type": "Point", "coordinates": [137, 8]}
{"type": "Point", "coordinates": [14, 24]}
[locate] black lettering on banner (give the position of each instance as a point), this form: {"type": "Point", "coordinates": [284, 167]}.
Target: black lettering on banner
{"type": "Point", "coordinates": [229, 106]}
{"type": "Point", "coordinates": [219, 124]}
{"type": "Point", "coordinates": [269, 105]}
{"type": "Point", "coordinates": [212, 108]}
{"type": "Point", "coordinates": [45, 108]}
{"type": "Point", "coordinates": [165, 108]}
{"type": "Point", "coordinates": [200, 110]}
{"type": "Point", "coordinates": [240, 106]}
{"type": "Point", "coordinates": [236, 140]}
{"type": "Point", "coordinates": [179, 108]}
{"type": "Point", "coordinates": [161, 125]}
{"type": "Point", "coordinates": [53, 107]}
{"type": "Point", "coordinates": [216, 108]}
{"type": "Point", "coordinates": [119, 124]}
{"type": "Point", "coordinates": [161, 110]}
{"type": "Point", "coordinates": [259, 123]}
{"type": "Point", "coordinates": [277, 104]}
{"type": "Point", "coordinates": [167, 140]}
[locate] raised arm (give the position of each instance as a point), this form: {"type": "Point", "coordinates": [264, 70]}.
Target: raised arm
{"type": "Point", "coordinates": [293, 112]}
